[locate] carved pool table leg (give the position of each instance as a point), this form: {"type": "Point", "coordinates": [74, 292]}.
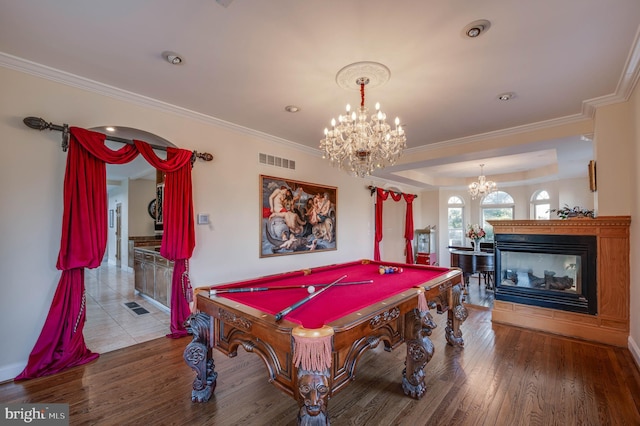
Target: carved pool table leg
{"type": "Point", "coordinates": [455, 317]}
{"type": "Point", "coordinates": [197, 355]}
{"type": "Point", "coordinates": [419, 353]}
{"type": "Point", "coordinates": [313, 397]}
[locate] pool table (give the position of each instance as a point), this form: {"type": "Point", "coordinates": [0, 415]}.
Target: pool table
{"type": "Point", "coordinates": [311, 351]}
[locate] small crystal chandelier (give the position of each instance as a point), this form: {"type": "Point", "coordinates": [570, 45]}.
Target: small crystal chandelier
{"type": "Point", "coordinates": [482, 187]}
{"type": "Point", "coordinates": [361, 144]}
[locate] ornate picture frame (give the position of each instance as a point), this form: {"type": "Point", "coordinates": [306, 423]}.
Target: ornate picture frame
{"type": "Point", "coordinates": [593, 183]}
{"type": "Point", "coordinates": [296, 217]}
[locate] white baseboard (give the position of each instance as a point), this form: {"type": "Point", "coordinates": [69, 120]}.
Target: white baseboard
{"type": "Point", "coordinates": [635, 351]}
{"type": "Point", "coordinates": [9, 372]}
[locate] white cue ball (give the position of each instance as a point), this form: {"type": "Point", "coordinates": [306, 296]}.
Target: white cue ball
{"type": "Point", "coordinates": [311, 289]}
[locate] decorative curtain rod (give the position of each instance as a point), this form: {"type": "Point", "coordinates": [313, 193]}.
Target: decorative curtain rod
{"type": "Point", "coordinates": [41, 124]}
{"type": "Point", "coordinates": [374, 188]}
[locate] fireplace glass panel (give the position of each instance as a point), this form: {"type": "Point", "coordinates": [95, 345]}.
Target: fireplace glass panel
{"type": "Point", "coordinates": [543, 271]}
{"type": "Point", "coordinates": [550, 271]}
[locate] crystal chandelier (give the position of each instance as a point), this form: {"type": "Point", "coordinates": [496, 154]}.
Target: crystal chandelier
{"type": "Point", "coordinates": [482, 187]}
{"type": "Point", "coordinates": [361, 144]}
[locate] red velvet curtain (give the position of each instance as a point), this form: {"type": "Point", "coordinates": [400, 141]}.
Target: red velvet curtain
{"type": "Point", "coordinates": [381, 196]}
{"type": "Point", "coordinates": [408, 227]}
{"type": "Point", "coordinates": [84, 236]}
{"type": "Point", "coordinates": [178, 239]}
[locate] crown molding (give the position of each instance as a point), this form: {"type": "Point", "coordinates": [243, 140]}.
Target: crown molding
{"type": "Point", "coordinates": [62, 77]}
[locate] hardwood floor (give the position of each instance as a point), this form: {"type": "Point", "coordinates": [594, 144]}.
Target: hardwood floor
{"type": "Point", "coordinates": [503, 376]}
{"type": "Point", "coordinates": [478, 294]}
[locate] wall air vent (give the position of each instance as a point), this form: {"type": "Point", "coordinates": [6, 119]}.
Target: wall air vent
{"type": "Point", "coordinates": [272, 160]}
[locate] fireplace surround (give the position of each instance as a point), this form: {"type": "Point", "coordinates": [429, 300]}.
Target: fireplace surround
{"type": "Point", "coordinates": [606, 322]}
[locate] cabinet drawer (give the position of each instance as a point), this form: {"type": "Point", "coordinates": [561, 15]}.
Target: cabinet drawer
{"type": "Point", "coordinates": [161, 261]}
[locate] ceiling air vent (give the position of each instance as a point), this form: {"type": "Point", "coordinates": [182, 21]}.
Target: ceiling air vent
{"type": "Point", "coordinates": [272, 160]}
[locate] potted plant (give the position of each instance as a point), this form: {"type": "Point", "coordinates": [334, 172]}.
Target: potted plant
{"type": "Point", "coordinates": [573, 212]}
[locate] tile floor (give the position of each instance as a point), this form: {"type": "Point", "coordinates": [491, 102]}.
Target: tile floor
{"type": "Point", "coordinates": [111, 324]}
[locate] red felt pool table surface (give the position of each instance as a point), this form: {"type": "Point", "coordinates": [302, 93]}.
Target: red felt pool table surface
{"type": "Point", "coordinates": [337, 301]}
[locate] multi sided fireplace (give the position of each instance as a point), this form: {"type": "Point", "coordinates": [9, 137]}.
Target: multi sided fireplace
{"type": "Point", "coordinates": [608, 278]}
{"type": "Point", "coordinates": [549, 271]}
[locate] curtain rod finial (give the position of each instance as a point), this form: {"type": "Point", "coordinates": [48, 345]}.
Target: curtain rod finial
{"type": "Point", "coordinates": [203, 155]}
{"type": "Point", "coordinates": [36, 123]}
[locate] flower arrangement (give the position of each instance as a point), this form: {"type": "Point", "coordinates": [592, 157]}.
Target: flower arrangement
{"type": "Point", "coordinates": [475, 232]}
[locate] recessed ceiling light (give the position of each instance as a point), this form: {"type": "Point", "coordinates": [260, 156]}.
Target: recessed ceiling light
{"type": "Point", "coordinates": [172, 57]}
{"type": "Point", "coordinates": [506, 96]}
{"type": "Point", "coordinates": [476, 28]}
{"type": "Point", "coordinates": [292, 108]}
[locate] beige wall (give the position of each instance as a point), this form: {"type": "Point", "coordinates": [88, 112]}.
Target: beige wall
{"type": "Point", "coordinates": [634, 177]}
{"type": "Point", "coordinates": [614, 145]}
{"type": "Point", "coordinates": [141, 192]}
{"type": "Point", "coordinates": [226, 188]}
{"type": "Point", "coordinates": [32, 165]}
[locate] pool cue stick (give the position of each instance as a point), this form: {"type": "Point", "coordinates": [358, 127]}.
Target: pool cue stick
{"type": "Point", "coordinates": [284, 287]}
{"type": "Point", "coordinates": [299, 303]}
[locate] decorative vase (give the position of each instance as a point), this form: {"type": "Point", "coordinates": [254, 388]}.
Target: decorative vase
{"type": "Point", "coordinates": [476, 245]}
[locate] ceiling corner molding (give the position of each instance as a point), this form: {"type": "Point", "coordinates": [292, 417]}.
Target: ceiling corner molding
{"type": "Point", "coordinates": [631, 75]}
{"type": "Point", "coordinates": [62, 77]}
{"type": "Point", "coordinates": [626, 84]}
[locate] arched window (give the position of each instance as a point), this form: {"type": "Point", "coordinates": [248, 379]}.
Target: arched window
{"type": "Point", "coordinates": [496, 206]}
{"type": "Point", "coordinates": [455, 221]}
{"type": "Point", "coordinates": [540, 205]}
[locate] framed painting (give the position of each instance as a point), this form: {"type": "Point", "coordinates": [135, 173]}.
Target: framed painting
{"type": "Point", "coordinates": [296, 217]}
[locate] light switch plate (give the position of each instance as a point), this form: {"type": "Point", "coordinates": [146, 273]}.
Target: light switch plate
{"type": "Point", "coordinates": [203, 219]}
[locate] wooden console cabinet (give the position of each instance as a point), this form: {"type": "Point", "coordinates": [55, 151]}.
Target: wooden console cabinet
{"type": "Point", "coordinates": [153, 275]}
{"type": "Point", "coordinates": [611, 324]}
{"type": "Point", "coordinates": [143, 241]}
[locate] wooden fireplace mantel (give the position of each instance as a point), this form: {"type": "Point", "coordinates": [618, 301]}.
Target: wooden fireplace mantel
{"type": "Point", "coordinates": [611, 324]}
